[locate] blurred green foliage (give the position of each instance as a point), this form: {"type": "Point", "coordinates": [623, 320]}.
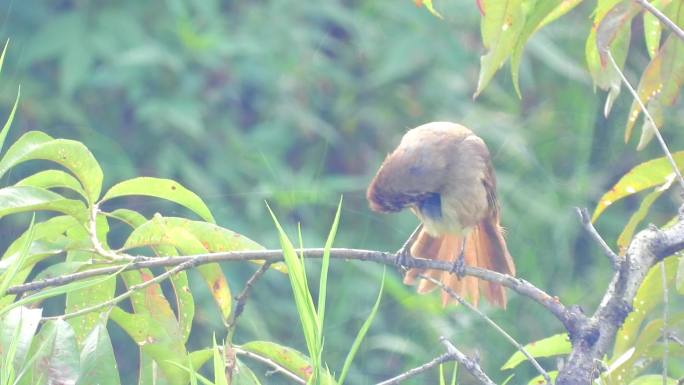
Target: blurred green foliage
{"type": "Point", "coordinates": [298, 102]}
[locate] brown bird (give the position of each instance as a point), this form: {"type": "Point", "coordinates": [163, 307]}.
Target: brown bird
{"type": "Point", "coordinates": [443, 172]}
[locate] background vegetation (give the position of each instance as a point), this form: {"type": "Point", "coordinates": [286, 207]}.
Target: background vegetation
{"type": "Point", "coordinates": [297, 103]}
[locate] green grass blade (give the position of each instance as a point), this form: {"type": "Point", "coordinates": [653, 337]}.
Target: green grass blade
{"type": "Point", "coordinates": [454, 374]}
{"type": "Point", "coordinates": [323, 285]}
{"type": "Point", "coordinates": [362, 333]}
{"type": "Point", "coordinates": [303, 299]}
{"type": "Point", "coordinates": [8, 123]}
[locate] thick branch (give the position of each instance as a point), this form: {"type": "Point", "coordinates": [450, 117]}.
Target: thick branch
{"type": "Point", "coordinates": [596, 336]}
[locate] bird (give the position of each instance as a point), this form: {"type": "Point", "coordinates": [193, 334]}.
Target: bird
{"type": "Point", "coordinates": [443, 173]}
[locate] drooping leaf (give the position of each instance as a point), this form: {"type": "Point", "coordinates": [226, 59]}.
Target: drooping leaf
{"type": "Point", "coordinates": [500, 26]}
{"type": "Point", "coordinates": [98, 365]}
{"type": "Point", "coordinates": [603, 74]}
{"type": "Point", "coordinates": [161, 188]}
{"type": "Point", "coordinates": [178, 232]}
{"type": "Point", "coordinates": [25, 198]}
{"type": "Point", "coordinates": [652, 173]}
{"type": "Point", "coordinates": [70, 154]}
{"type": "Point", "coordinates": [290, 359]}
{"type": "Point", "coordinates": [649, 295]}
{"type": "Point", "coordinates": [157, 333]}
{"type": "Point", "coordinates": [564, 7]}
{"type": "Point", "coordinates": [660, 83]}
{"type": "Point", "coordinates": [48, 179]}
{"type": "Point", "coordinates": [546, 347]}
{"type": "Point", "coordinates": [244, 375]}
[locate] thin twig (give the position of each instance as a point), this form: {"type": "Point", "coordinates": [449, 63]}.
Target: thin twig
{"type": "Point", "coordinates": [471, 365]}
{"type": "Point", "coordinates": [666, 305]}
{"type": "Point", "coordinates": [110, 303]}
{"type": "Point", "coordinates": [663, 19]}
{"type": "Point", "coordinates": [241, 298]}
{"type": "Point", "coordinates": [648, 116]}
{"type": "Point", "coordinates": [522, 287]}
{"type": "Point", "coordinates": [589, 227]}
{"type": "Point", "coordinates": [491, 322]}
{"type": "Point", "coordinates": [276, 367]}
{"type": "Point", "coordinates": [446, 357]}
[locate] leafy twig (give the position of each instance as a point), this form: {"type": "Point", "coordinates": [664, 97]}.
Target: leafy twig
{"type": "Point", "coordinates": [452, 354]}
{"type": "Point", "coordinates": [663, 19]}
{"type": "Point", "coordinates": [99, 249]}
{"type": "Point", "coordinates": [589, 227]}
{"type": "Point", "coordinates": [648, 116]}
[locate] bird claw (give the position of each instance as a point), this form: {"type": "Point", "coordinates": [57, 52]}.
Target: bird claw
{"type": "Point", "coordinates": [403, 258]}
{"type": "Point", "coordinates": [459, 266]}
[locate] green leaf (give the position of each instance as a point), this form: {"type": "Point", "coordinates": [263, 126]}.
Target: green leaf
{"type": "Point", "coordinates": [653, 379]}
{"type": "Point", "coordinates": [631, 362]}
{"type": "Point", "coordinates": [244, 375]}
{"type": "Point", "coordinates": [679, 282]}
{"type": "Point", "coordinates": [25, 198]}
{"type": "Point", "coordinates": [362, 333]}
{"type": "Point", "coordinates": [51, 179]}
{"type": "Point", "coordinates": [533, 22]}
{"type": "Point", "coordinates": [500, 27]}
{"type": "Point", "coordinates": [199, 357]}
{"type": "Point", "coordinates": [161, 188]}
{"type": "Point", "coordinates": [98, 365]}
{"type": "Point", "coordinates": [652, 173]}
{"type": "Point", "coordinates": [157, 333]}
{"type": "Point", "coordinates": [18, 327]}
{"type": "Point", "coordinates": [56, 358]}
{"type": "Point", "coordinates": [626, 235]}
{"type": "Point", "coordinates": [129, 217]}
{"type": "Point", "coordinates": [550, 346]}
{"type": "Point", "coordinates": [71, 154]}
{"type": "Point", "coordinates": [648, 296]}
{"type": "Point", "coordinates": [428, 5]}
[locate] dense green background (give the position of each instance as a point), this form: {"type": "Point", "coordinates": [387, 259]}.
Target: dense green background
{"type": "Point", "coordinates": [297, 103]}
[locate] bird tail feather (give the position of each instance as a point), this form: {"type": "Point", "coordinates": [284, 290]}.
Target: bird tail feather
{"type": "Point", "coordinates": [485, 247]}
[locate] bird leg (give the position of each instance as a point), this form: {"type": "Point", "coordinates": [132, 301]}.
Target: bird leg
{"type": "Point", "coordinates": [459, 264]}
{"type": "Point", "coordinates": [403, 255]}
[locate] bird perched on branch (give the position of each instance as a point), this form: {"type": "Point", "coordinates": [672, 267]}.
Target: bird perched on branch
{"type": "Point", "coordinates": [443, 173]}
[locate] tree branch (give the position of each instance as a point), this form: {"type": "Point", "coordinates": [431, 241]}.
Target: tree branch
{"type": "Point", "coordinates": [567, 316]}
{"type": "Point", "coordinates": [593, 338]}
